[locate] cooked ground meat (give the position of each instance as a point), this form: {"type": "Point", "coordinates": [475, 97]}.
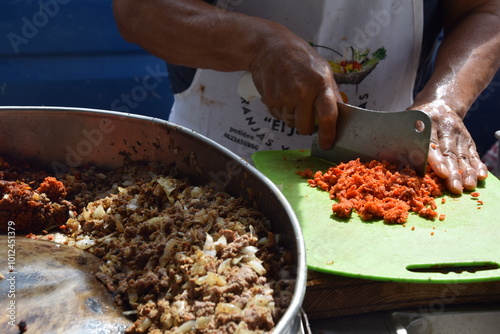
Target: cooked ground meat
{"type": "Point", "coordinates": [181, 258]}
{"type": "Point", "coordinates": [378, 190]}
{"type": "Point", "coordinates": [189, 253]}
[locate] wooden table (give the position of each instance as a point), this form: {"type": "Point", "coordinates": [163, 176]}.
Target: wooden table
{"type": "Point", "coordinates": [333, 296]}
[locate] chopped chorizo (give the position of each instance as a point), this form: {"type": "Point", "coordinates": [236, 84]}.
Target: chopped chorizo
{"type": "Point", "coordinates": [378, 190]}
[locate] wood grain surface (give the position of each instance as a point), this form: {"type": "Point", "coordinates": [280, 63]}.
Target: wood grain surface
{"type": "Point", "coordinates": [333, 296]}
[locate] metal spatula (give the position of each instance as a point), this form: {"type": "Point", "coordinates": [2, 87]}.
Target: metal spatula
{"type": "Point", "coordinates": [401, 137]}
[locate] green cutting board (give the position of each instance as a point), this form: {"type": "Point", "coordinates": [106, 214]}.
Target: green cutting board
{"type": "Point", "coordinates": [464, 247]}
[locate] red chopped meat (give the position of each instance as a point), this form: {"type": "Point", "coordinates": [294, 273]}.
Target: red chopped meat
{"type": "Point", "coordinates": [378, 190]}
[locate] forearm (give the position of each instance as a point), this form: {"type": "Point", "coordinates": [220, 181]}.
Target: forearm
{"type": "Point", "coordinates": [192, 32]}
{"type": "Point", "coordinates": [467, 59]}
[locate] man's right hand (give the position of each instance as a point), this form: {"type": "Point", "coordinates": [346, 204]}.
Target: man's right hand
{"type": "Point", "coordinates": [296, 84]}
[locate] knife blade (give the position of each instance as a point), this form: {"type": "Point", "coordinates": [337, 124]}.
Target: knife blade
{"type": "Point", "coordinates": [400, 137]}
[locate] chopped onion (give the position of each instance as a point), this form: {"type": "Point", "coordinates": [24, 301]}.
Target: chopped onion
{"type": "Point", "coordinates": [220, 243]}
{"type": "Point", "coordinates": [236, 260]}
{"type": "Point", "coordinates": [129, 313]}
{"type": "Point", "coordinates": [249, 250]}
{"type": "Point", "coordinates": [252, 231]}
{"type": "Point", "coordinates": [186, 327]}
{"type": "Point", "coordinates": [181, 257]}
{"type": "Point", "coordinates": [260, 300]}
{"type": "Point", "coordinates": [263, 241]}
{"type": "Point", "coordinates": [208, 247]}
{"type": "Point", "coordinates": [60, 238]}
{"type": "Point", "coordinates": [99, 212]}
{"type": "Point", "coordinates": [133, 204]}
{"type": "Point", "coordinates": [132, 295]}
{"type": "Point", "coordinates": [107, 239]}
{"type": "Point", "coordinates": [156, 222]}
{"type": "Point", "coordinates": [151, 264]}
{"type": "Point", "coordinates": [196, 192]}
{"type": "Point", "coordinates": [201, 216]}
{"type": "Point", "coordinates": [227, 308]}
{"type": "Point", "coordinates": [119, 225]}
{"type": "Point", "coordinates": [211, 279]}
{"type": "Point", "coordinates": [214, 279]}
{"type": "Point", "coordinates": [179, 306]}
{"type": "Point", "coordinates": [167, 184]}
{"type": "Point", "coordinates": [86, 214]}
{"type": "Point", "coordinates": [257, 266]}
{"type": "Point", "coordinates": [105, 269]}
{"type": "Point", "coordinates": [85, 243]}
{"type": "Point", "coordinates": [202, 322]}
{"type": "Point", "coordinates": [198, 269]}
{"type": "Point", "coordinates": [144, 325]}
{"type": "Point", "coordinates": [73, 225]}
{"type": "Point", "coordinates": [242, 328]}
{"type": "Point", "coordinates": [226, 264]}
{"type": "Point", "coordinates": [168, 252]}
{"type": "Point", "coordinates": [178, 278]}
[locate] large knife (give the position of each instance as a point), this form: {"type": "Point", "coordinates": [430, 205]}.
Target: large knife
{"type": "Point", "coordinates": [401, 137]}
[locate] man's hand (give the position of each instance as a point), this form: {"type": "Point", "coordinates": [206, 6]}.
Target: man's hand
{"type": "Point", "coordinates": [296, 84]}
{"type": "Point", "coordinates": [465, 64]}
{"type": "Point", "coordinates": [294, 81]}
{"type": "Point", "coordinates": [452, 153]}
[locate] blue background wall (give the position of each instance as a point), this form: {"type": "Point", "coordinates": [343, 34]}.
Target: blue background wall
{"type": "Point", "coordinates": [70, 53]}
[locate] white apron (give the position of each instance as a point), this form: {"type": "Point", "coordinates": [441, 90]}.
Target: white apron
{"type": "Point", "coordinates": [372, 46]}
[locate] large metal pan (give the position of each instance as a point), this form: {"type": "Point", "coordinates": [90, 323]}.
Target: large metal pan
{"type": "Point", "coordinates": [68, 137]}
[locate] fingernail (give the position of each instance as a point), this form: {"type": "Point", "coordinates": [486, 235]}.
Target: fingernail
{"type": "Point", "coordinates": [469, 180]}
{"type": "Point", "coordinates": [457, 185]}
{"type": "Point", "coordinates": [482, 173]}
